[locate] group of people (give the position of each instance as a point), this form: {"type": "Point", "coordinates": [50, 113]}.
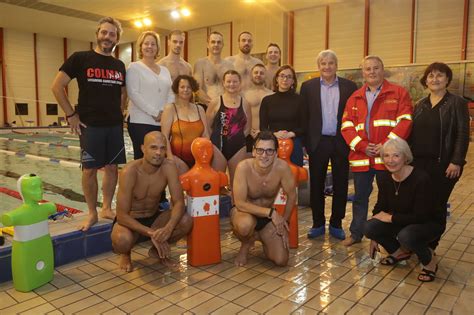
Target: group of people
{"type": "Point", "coordinates": [244, 107]}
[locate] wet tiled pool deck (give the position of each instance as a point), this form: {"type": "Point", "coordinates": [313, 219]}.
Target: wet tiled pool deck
{"type": "Point", "coordinates": [322, 276]}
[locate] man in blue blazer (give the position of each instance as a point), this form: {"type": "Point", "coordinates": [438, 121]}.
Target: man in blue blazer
{"type": "Point", "coordinates": [325, 99]}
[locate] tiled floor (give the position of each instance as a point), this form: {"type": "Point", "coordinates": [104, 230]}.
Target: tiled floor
{"type": "Point", "coordinates": [322, 276]}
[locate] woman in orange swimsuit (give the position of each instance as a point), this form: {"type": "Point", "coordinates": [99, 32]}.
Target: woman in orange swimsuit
{"type": "Point", "coordinates": [183, 121]}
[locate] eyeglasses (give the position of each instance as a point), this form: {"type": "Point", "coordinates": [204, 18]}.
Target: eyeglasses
{"type": "Point", "coordinates": [285, 77]}
{"type": "Point", "coordinates": [268, 152]}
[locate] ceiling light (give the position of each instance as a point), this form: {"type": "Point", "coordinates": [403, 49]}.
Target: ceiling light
{"type": "Point", "coordinates": [175, 14]}
{"type": "Point", "coordinates": [185, 12]}
{"type": "Point", "coordinates": [147, 21]}
{"type": "Point", "coordinates": [138, 24]}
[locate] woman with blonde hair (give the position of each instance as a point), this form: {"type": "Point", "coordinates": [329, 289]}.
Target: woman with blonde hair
{"type": "Point", "coordinates": [404, 219]}
{"type": "Point", "coordinates": [148, 88]}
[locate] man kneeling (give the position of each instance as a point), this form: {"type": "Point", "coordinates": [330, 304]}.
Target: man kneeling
{"type": "Point", "coordinates": [141, 183]}
{"type": "Point", "coordinates": [256, 184]}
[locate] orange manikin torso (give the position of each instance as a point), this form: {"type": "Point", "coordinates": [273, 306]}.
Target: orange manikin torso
{"type": "Point", "coordinates": [202, 185]}
{"type": "Point", "coordinates": [285, 148]}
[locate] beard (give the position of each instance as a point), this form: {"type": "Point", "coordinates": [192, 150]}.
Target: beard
{"type": "Point", "coordinates": [259, 82]}
{"type": "Point", "coordinates": [245, 49]}
{"type": "Point", "coordinates": [107, 50]}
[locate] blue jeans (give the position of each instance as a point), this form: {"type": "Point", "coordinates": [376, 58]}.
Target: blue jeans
{"type": "Point", "coordinates": [360, 206]}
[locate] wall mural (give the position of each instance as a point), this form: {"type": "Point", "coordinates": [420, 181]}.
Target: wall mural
{"type": "Point", "coordinates": [409, 77]}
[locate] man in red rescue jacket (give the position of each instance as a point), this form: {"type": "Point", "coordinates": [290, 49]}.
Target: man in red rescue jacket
{"type": "Point", "coordinates": [376, 112]}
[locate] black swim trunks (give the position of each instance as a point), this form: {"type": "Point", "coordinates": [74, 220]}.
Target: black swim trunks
{"type": "Point", "coordinates": [261, 223]}
{"type": "Point", "coordinates": [102, 146]}
{"type": "Point", "coordinates": [144, 221]}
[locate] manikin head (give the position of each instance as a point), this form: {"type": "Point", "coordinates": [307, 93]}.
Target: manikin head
{"type": "Point", "coordinates": [285, 148]}
{"type": "Point", "coordinates": [201, 148]}
{"type": "Point", "coordinates": [30, 187]}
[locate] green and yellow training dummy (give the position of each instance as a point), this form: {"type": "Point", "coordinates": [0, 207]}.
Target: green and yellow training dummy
{"type": "Point", "coordinates": [32, 249]}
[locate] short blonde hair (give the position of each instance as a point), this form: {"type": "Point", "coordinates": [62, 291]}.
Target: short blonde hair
{"type": "Point", "coordinates": [371, 57]}
{"type": "Point", "coordinates": [141, 39]}
{"type": "Point", "coordinates": [400, 146]}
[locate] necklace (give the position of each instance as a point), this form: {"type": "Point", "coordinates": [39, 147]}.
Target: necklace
{"type": "Point", "coordinates": [397, 187]}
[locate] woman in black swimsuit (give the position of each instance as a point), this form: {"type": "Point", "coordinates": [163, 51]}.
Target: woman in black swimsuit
{"type": "Point", "coordinates": [230, 124]}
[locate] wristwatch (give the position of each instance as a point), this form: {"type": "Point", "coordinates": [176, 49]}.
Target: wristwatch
{"type": "Point", "coordinates": [271, 212]}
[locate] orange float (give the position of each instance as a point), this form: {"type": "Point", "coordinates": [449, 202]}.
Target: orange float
{"type": "Point", "coordinates": [285, 148]}
{"type": "Point", "coordinates": [202, 185]}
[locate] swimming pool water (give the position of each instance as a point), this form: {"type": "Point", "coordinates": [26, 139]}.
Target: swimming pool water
{"type": "Point", "coordinates": [62, 184]}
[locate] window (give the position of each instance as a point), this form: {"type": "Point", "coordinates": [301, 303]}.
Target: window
{"type": "Point", "coordinates": [21, 109]}
{"type": "Point", "coordinates": [51, 109]}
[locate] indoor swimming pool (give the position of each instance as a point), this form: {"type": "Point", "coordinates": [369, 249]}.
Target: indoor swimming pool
{"type": "Point", "coordinates": [54, 156]}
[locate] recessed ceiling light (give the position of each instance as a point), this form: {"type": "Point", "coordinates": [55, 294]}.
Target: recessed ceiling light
{"type": "Point", "coordinates": [175, 14]}
{"type": "Point", "coordinates": [185, 12]}
{"type": "Point", "coordinates": [147, 21]}
{"type": "Point", "coordinates": [138, 24]}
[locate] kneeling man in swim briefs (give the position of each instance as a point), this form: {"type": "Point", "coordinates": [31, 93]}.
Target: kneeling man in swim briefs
{"type": "Point", "coordinates": [256, 184]}
{"type": "Point", "coordinates": [141, 183]}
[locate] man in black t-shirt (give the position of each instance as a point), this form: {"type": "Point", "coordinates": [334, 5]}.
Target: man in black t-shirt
{"type": "Point", "coordinates": [98, 119]}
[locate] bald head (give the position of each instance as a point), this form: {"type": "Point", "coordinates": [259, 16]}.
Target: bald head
{"type": "Point", "coordinates": [153, 136]}
{"type": "Point", "coordinates": [154, 148]}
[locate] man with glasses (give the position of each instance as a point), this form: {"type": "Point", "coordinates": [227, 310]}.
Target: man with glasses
{"type": "Point", "coordinates": [257, 182]}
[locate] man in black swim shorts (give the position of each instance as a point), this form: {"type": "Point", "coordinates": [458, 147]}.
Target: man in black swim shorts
{"type": "Point", "coordinates": [140, 186]}
{"type": "Point", "coordinates": [256, 184]}
{"type": "Point", "coordinates": [98, 117]}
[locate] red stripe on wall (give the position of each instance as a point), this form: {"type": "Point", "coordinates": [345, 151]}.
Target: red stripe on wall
{"type": "Point", "coordinates": [231, 37]}
{"type": "Point", "coordinates": [35, 57]}
{"type": "Point", "coordinates": [4, 83]}
{"type": "Point", "coordinates": [412, 31]}
{"type": "Point", "coordinates": [366, 27]}
{"type": "Point", "coordinates": [465, 30]}
{"type": "Point", "coordinates": [65, 55]}
{"type": "Point", "coordinates": [326, 38]}
{"type": "Point", "coordinates": [291, 37]}
{"type": "Point", "coordinates": [185, 46]}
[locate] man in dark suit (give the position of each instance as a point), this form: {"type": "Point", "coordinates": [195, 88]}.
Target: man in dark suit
{"type": "Point", "coordinates": [325, 99]}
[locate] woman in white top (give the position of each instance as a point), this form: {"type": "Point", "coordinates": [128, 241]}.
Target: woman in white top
{"type": "Point", "coordinates": [148, 88]}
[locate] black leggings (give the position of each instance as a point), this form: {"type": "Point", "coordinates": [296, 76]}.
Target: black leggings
{"type": "Point", "coordinates": [414, 237]}
{"type": "Point", "coordinates": [137, 134]}
{"type": "Point", "coordinates": [441, 186]}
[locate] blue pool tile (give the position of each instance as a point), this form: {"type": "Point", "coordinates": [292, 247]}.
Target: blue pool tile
{"type": "Point", "coordinates": [5, 264]}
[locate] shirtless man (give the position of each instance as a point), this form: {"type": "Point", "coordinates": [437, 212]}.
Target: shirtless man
{"type": "Point", "coordinates": [273, 57]}
{"type": "Point", "coordinates": [173, 61]}
{"type": "Point", "coordinates": [256, 184]}
{"type": "Point", "coordinates": [208, 71]}
{"type": "Point", "coordinates": [141, 183]}
{"type": "Point", "coordinates": [254, 95]}
{"type": "Point", "coordinates": [243, 61]}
